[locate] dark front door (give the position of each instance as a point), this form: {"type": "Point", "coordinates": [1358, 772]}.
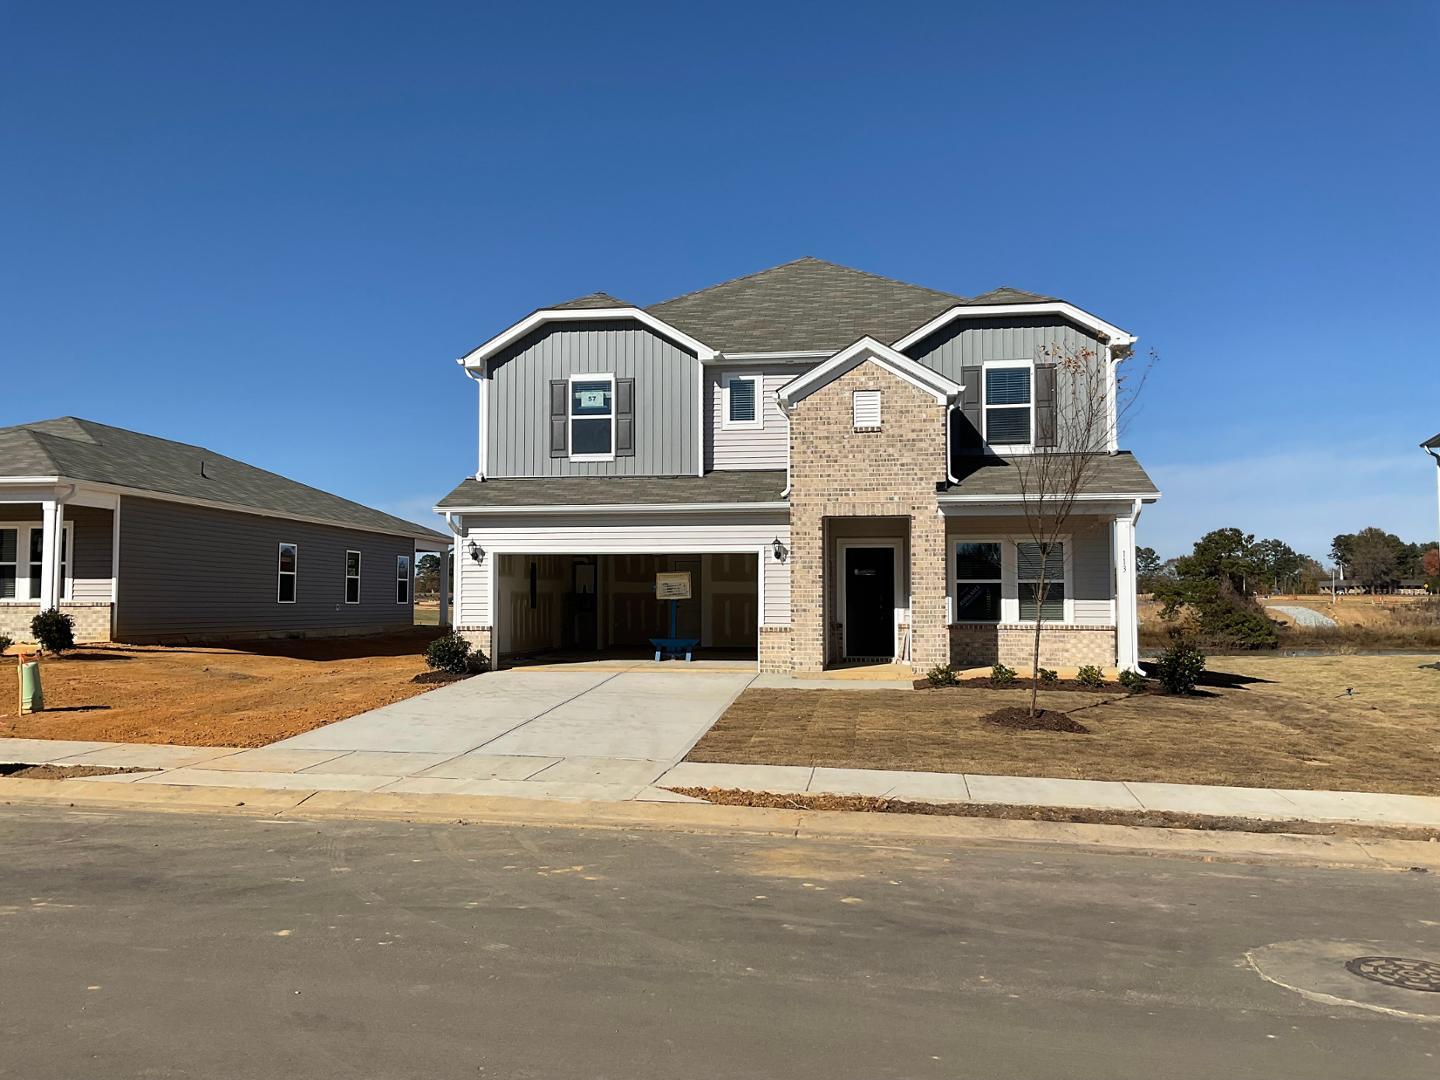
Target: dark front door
{"type": "Point", "coordinates": [870, 601]}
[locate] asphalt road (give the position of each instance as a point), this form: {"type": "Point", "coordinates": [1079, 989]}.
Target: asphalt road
{"type": "Point", "coordinates": [162, 945]}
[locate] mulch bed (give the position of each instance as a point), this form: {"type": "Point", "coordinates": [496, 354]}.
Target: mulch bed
{"type": "Point", "coordinates": [437, 678]}
{"type": "Point", "coordinates": [1154, 819]}
{"type": "Point", "coordinates": [1019, 683]}
{"type": "Point", "coordinates": [21, 771]}
{"type": "Point", "coordinates": [1018, 718]}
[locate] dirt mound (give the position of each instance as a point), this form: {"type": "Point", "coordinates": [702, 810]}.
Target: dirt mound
{"type": "Point", "coordinates": [1019, 719]}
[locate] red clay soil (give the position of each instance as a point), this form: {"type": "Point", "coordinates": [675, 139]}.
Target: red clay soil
{"type": "Point", "coordinates": [247, 695]}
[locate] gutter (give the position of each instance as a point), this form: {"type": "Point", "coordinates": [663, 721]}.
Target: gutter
{"type": "Point", "coordinates": [616, 508]}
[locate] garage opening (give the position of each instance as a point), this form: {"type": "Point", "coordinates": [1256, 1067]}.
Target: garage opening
{"type": "Point", "coordinates": [591, 608]}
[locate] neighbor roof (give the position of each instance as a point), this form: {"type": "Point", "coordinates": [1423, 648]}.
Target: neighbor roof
{"type": "Point", "coordinates": [1431, 443]}
{"type": "Point", "coordinates": [714, 488]}
{"type": "Point", "coordinates": [78, 449]}
{"type": "Point", "coordinates": [1000, 478]}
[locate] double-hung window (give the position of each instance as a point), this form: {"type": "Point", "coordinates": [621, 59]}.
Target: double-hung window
{"type": "Point", "coordinates": [352, 577]}
{"type": "Point", "coordinates": [287, 573]}
{"type": "Point", "coordinates": [977, 581]}
{"type": "Point", "coordinates": [22, 561]}
{"type": "Point", "coordinates": [592, 418]}
{"type": "Point", "coordinates": [402, 579]}
{"type": "Point", "coordinates": [1009, 404]}
{"type": "Point", "coordinates": [741, 405]}
{"type": "Point", "coordinates": [37, 561]}
{"type": "Point", "coordinates": [9, 563]}
{"type": "Point", "coordinates": [1027, 571]}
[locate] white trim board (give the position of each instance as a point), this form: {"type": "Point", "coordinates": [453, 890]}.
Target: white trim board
{"type": "Point", "coordinates": [483, 352]}
{"type": "Point", "coordinates": [918, 375]}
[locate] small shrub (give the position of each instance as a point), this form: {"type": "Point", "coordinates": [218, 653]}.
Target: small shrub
{"type": "Point", "coordinates": [942, 675]}
{"type": "Point", "coordinates": [1090, 675]}
{"type": "Point", "coordinates": [1001, 675]}
{"type": "Point", "coordinates": [1132, 680]}
{"type": "Point", "coordinates": [1048, 676]}
{"type": "Point", "coordinates": [1180, 666]}
{"type": "Point", "coordinates": [5, 643]}
{"type": "Point", "coordinates": [450, 653]}
{"type": "Point", "coordinates": [54, 630]}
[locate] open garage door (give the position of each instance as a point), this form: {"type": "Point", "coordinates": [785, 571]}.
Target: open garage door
{"type": "Point", "coordinates": [604, 606]}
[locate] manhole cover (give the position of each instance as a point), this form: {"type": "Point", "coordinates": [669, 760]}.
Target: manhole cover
{"type": "Point", "coordinates": [1401, 971]}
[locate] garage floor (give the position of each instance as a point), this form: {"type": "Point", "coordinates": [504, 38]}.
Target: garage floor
{"type": "Point", "coordinates": [598, 729]}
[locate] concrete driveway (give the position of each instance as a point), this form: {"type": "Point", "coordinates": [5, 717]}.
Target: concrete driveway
{"type": "Point", "coordinates": [559, 734]}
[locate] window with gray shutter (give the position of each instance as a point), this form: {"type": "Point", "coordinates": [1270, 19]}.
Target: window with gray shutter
{"type": "Point", "coordinates": [624, 417]}
{"type": "Point", "coordinates": [1046, 406]}
{"type": "Point", "coordinates": [1007, 405]}
{"type": "Point", "coordinates": [1027, 573]}
{"type": "Point", "coordinates": [559, 417]}
{"type": "Point", "coordinates": [971, 422]}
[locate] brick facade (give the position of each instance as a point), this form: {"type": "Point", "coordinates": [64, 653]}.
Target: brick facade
{"type": "Point", "coordinates": [92, 620]}
{"type": "Point", "coordinates": [480, 638]}
{"type": "Point", "coordinates": [1011, 644]}
{"type": "Point", "coordinates": [775, 657]}
{"type": "Point", "coordinates": [839, 472]}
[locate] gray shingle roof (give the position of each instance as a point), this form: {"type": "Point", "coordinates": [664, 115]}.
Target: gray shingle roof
{"type": "Point", "coordinates": [1432, 442]}
{"type": "Point", "coordinates": [84, 450]}
{"type": "Point", "coordinates": [1006, 295]}
{"type": "Point", "coordinates": [748, 486]}
{"type": "Point", "coordinates": [802, 305]}
{"type": "Point", "coordinates": [1114, 474]}
{"type": "Point", "coordinates": [592, 300]}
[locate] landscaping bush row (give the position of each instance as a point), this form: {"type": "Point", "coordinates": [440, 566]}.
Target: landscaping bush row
{"type": "Point", "coordinates": [1176, 670]}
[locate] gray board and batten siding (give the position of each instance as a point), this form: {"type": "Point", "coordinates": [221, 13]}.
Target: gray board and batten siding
{"type": "Point", "coordinates": [195, 573]}
{"type": "Point", "coordinates": [666, 399]}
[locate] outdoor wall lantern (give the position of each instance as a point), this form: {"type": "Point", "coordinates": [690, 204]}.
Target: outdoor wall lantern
{"type": "Point", "coordinates": [476, 551]}
{"type": "Point", "coordinates": [779, 549]}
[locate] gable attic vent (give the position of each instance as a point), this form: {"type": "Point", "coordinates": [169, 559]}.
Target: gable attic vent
{"type": "Point", "coordinates": [866, 406]}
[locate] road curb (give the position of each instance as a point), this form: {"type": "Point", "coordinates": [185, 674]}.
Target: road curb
{"type": "Point", "coordinates": [817, 825]}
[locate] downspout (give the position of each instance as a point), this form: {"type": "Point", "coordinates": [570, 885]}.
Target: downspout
{"type": "Point", "coordinates": [949, 450]}
{"type": "Point", "coordinates": [481, 383]}
{"type": "Point", "coordinates": [786, 412]}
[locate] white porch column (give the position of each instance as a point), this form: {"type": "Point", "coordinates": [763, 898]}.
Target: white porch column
{"type": "Point", "coordinates": [444, 587]}
{"type": "Point", "coordinates": [1127, 629]}
{"type": "Point", "coordinates": [52, 517]}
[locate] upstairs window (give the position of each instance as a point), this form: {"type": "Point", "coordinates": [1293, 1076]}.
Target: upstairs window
{"type": "Point", "coordinates": [287, 572]}
{"type": "Point", "coordinates": [592, 417]}
{"type": "Point", "coordinates": [352, 577]}
{"type": "Point", "coordinates": [741, 406]}
{"type": "Point", "coordinates": [865, 407]}
{"type": "Point", "coordinates": [1027, 572]}
{"type": "Point", "coordinates": [402, 579]}
{"type": "Point", "coordinates": [1009, 404]}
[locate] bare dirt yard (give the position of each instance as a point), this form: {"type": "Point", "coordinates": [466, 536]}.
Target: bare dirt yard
{"type": "Point", "coordinates": [1261, 721]}
{"type": "Point", "coordinates": [201, 696]}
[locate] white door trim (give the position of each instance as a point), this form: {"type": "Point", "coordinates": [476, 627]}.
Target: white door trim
{"type": "Point", "coordinates": [894, 543]}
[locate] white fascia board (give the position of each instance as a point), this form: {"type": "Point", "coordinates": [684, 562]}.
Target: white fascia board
{"type": "Point", "coordinates": [1112, 334]}
{"type": "Point", "coordinates": [548, 315]}
{"type": "Point", "coordinates": [618, 508]}
{"type": "Point", "coordinates": [253, 511]}
{"type": "Point", "coordinates": [797, 357]}
{"type": "Point", "coordinates": [924, 378]}
{"type": "Point", "coordinates": [1018, 500]}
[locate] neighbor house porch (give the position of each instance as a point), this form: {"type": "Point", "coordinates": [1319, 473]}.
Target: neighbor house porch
{"type": "Point", "coordinates": [57, 549]}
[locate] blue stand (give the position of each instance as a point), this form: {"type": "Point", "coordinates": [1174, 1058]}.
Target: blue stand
{"type": "Point", "coordinates": [674, 647]}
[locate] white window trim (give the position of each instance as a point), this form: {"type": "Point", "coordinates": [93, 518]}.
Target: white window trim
{"type": "Point", "coordinates": [570, 416]}
{"type": "Point", "coordinates": [754, 379]}
{"type": "Point", "coordinates": [359, 562]}
{"type": "Point", "coordinates": [996, 365]}
{"type": "Point", "coordinates": [403, 574]}
{"type": "Point", "coordinates": [280, 546]}
{"type": "Point", "coordinates": [1009, 579]}
{"type": "Point", "coordinates": [23, 529]}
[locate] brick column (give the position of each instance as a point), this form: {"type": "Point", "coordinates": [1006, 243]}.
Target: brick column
{"type": "Point", "coordinates": [930, 637]}
{"type": "Point", "coordinates": [807, 588]}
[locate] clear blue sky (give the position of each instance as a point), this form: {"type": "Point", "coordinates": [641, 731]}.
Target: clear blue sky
{"type": "Point", "coordinates": [269, 228]}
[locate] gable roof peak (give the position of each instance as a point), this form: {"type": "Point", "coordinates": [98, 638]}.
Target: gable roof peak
{"type": "Point", "coordinates": [591, 300]}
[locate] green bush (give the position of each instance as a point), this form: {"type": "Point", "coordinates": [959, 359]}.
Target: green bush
{"type": "Point", "coordinates": [1001, 675]}
{"type": "Point", "coordinates": [54, 630]}
{"type": "Point", "coordinates": [1090, 675]}
{"type": "Point", "coordinates": [1132, 680]}
{"type": "Point", "coordinates": [450, 653]}
{"type": "Point", "coordinates": [942, 675]}
{"type": "Point", "coordinates": [1180, 666]}
{"type": "Point", "coordinates": [5, 642]}
{"type": "Point", "coordinates": [1048, 676]}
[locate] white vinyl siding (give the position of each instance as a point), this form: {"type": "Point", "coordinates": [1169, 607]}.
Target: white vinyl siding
{"type": "Point", "coordinates": [762, 446]}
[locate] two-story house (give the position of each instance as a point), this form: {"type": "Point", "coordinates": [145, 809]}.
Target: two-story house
{"type": "Point", "coordinates": [837, 458]}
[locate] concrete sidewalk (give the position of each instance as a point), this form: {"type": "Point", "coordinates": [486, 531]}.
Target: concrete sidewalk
{"type": "Point", "coordinates": [534, 776]}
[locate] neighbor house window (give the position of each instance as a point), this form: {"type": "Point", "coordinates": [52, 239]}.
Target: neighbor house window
{"type": "Point", "coordinates": [1027, 572]}
{"type": "Point", "coordinates": [742, 405]}
{"type": "Point", "coordinates": [1009, 404]}
{"type": "Point", "coordinates": [37, 561]}
{"type": "Point", "coordinates": [402, 579]}
{"type": "Point", "coordinates": [865, 405]}
{"type": "Point", "coordinates": [592, 417]}
{"type": "Point", "coordinates": [9, 563]}
{"type": "Point", "coordinates": [977, 582]}
{"type": "Point", "coordinates": [288, 570]}
{"type": "Point", "coordinates": [352, 577]}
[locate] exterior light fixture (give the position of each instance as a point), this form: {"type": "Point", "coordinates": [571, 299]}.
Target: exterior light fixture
{"type": "Point", "coordinates": [476, 551]}
{"type": "Point", "coordinates": [779, 549]}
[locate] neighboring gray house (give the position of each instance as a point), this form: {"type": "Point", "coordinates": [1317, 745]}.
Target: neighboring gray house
{"type": "Point", "coordinates": [835, 457]}
{"type": "Point", "coordinates": [142, 539]}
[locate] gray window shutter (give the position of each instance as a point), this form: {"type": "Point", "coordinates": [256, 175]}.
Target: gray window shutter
{"type": "Point", "coordinates": [1046, 405]}
{"type": "Point", "coordinates": [559, 417]}
{"type": "Point", "coordinates": [968, 435]}
{"type": "Point", "coordinates": [624, 417]}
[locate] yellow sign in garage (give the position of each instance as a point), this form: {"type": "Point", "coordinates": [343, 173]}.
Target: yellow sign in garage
{"type": "Point", "coordinates": [673, 586]}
